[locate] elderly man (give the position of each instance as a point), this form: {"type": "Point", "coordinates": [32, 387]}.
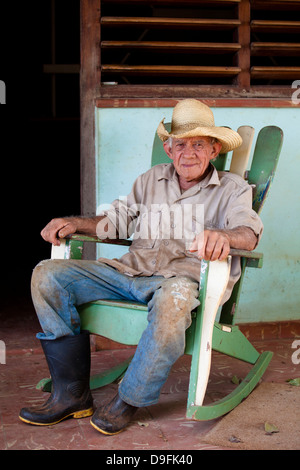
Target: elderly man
{"type": "Point", "coordinates": [159, 270]}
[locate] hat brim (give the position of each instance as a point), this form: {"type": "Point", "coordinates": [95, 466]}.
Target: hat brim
{"type": "Point", "coordinates": [229, 139]}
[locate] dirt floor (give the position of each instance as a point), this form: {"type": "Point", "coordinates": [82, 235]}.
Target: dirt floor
{"type": "Point", "coordinates": [161, 427]}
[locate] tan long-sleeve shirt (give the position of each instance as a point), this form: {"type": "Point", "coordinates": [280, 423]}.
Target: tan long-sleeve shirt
{"type": "Point", "coordinates": [163, 221]}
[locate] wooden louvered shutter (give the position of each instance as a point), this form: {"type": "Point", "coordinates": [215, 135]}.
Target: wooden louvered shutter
{"type": "Point", "coordinates": [216, 48]}
{"type": "Point", "coordinates": [275, 41]}
{"type": "Point", "coordinates": [178, 42]}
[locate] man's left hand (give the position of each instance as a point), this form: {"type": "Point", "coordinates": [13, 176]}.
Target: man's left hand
{"type": "Point", "coordinates": [211, 245]}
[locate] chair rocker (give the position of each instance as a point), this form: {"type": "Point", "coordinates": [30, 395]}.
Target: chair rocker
{"type": "Point", "coordinates": [124, 322]}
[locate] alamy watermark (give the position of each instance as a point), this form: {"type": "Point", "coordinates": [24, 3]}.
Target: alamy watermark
{"type": "Point", "coordinates": [296, 94]}
{"type": "Point", "coordinates": [2, 352]}
{"type": "Point", "coordinates": [2, 92]}
{"type": "Point", "coordinates": [296, 355]}
{"type": "Point", "coordinates": [154, 222]}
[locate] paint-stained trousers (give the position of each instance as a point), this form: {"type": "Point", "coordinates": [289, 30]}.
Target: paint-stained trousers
{"type": "Point", "coordinates": [59, 286]}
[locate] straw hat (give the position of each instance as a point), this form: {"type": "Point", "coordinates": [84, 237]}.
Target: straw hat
{"type": "Point", "coordinates": [192, 118]}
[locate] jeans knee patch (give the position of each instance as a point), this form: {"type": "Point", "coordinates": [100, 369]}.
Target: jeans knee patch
{"type": "Point", "coordinates": [183, 292]}
{"type": "Point", "coordinates": [173, 305]}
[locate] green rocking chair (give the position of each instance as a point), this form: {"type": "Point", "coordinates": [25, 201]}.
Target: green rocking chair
{"type": "Point", "coordinates": [125, 322]}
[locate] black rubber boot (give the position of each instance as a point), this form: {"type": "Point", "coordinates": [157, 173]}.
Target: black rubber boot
{"type": "Point", "coordinates": [114, 417]}
{"type": "Point", "coordinates": [69, 361]}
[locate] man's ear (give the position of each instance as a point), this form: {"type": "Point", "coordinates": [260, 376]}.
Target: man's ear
{"type": "Point", "coordinates": [168, 149]}
{"type": "Point", "coordinates": [216, 148]}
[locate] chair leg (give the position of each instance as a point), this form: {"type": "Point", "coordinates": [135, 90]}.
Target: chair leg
{"type": "Point", "coordinates": [229, 340]}
{"type": "Point", "coordinates": [96, 381]}
{"type": "Point", "coordinates": [223, 406]}
{"type": "Point", "coordinates": [109, 376]}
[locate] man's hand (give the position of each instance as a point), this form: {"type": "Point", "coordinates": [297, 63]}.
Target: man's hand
{"type": "Point", "coordinates": [59, 228]}
{"type": "Point", "coordinates": [214, 245]}
{"type": "Point", "coordinates": [211, 245]}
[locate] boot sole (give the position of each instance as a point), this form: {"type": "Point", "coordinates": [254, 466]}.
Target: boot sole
{"type": "Point", "coordinates": [105, 432]}
{"type": "Point", "coordinates": [75, 414]}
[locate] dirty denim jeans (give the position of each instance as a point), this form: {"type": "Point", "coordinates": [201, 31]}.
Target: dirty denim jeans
{"type": "Point", "coordinates": [58, 286]}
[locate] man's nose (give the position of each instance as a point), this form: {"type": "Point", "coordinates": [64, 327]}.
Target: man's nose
{"type": "Point", "coordinates": [189, 151]}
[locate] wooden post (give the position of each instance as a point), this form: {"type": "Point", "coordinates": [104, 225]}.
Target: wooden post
{"type": "Point", "coordinates": [243, 56]}
{"type": "Point", "coordinates": [89, 86]}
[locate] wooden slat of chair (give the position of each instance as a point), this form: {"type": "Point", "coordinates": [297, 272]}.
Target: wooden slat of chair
{"type": "Point", "coordinates": [240, 156]}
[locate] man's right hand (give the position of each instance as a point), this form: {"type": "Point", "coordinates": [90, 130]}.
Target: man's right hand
{"type": "Point", "coordinates": [59, 228]}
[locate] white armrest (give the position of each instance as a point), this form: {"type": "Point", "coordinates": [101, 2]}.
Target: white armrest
{"type": "Point", "coordinates": [218, 276]}
{"type": "Point", "coordinates": [59, 252]}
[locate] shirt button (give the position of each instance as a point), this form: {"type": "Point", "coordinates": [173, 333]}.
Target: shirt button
{"type": "Point", "coordinates": [166, 243]}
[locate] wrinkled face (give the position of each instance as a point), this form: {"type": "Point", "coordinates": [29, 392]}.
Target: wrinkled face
{"type": "Point", "coordinates": [191, 157]}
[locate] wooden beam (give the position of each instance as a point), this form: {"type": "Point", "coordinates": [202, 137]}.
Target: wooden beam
{"type": "Point", "coordinates": [275, 73]}
{"type": "Point", "coordinates": [268, 26]}
{"type": "Point", "coordinates": [275, 49]}
{"type": "Point", "coordinates": [161, 22]}
{"type": "Point", "coordinates": [174, 2]}
{"type": "Point", "coordinates": [89, 88]}
{"type": "Point", "coordinates": [118, 92]}
{"type": "Point", "coordinates": [61, 68]}
{"type": "Point", "coordinates": [213, 102]}
{"type": "Point", "coordinates": [197, 47]}
{"type": "Point", "coordinates": [243, 56]}
{"type": "Point", "coordinates": [171, 70]}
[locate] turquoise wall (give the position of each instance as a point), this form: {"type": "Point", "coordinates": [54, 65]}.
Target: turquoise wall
{"type": "Point", "coordinates": [124, 138]}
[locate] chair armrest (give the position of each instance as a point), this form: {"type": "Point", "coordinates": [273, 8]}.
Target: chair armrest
{"type": "Point", "coordinates": [71, 246]}
{"type": "Point", "coordinates": [116, 241]}
{"type": "Point", "coordinates": [95, 239]}
{"type": "Point", "coordinates": [245, 253]}
{"type": "Point", "coordinates": [253, 259]}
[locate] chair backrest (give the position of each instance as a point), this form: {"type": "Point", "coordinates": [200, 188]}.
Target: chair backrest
{"type": "Point", "coordinates": [263, 166]}
{"type": "Point", "coordinates": [264, 163]}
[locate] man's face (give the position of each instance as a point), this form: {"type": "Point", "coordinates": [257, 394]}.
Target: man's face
{"type": "Point", "coordinates": [191, 157]}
